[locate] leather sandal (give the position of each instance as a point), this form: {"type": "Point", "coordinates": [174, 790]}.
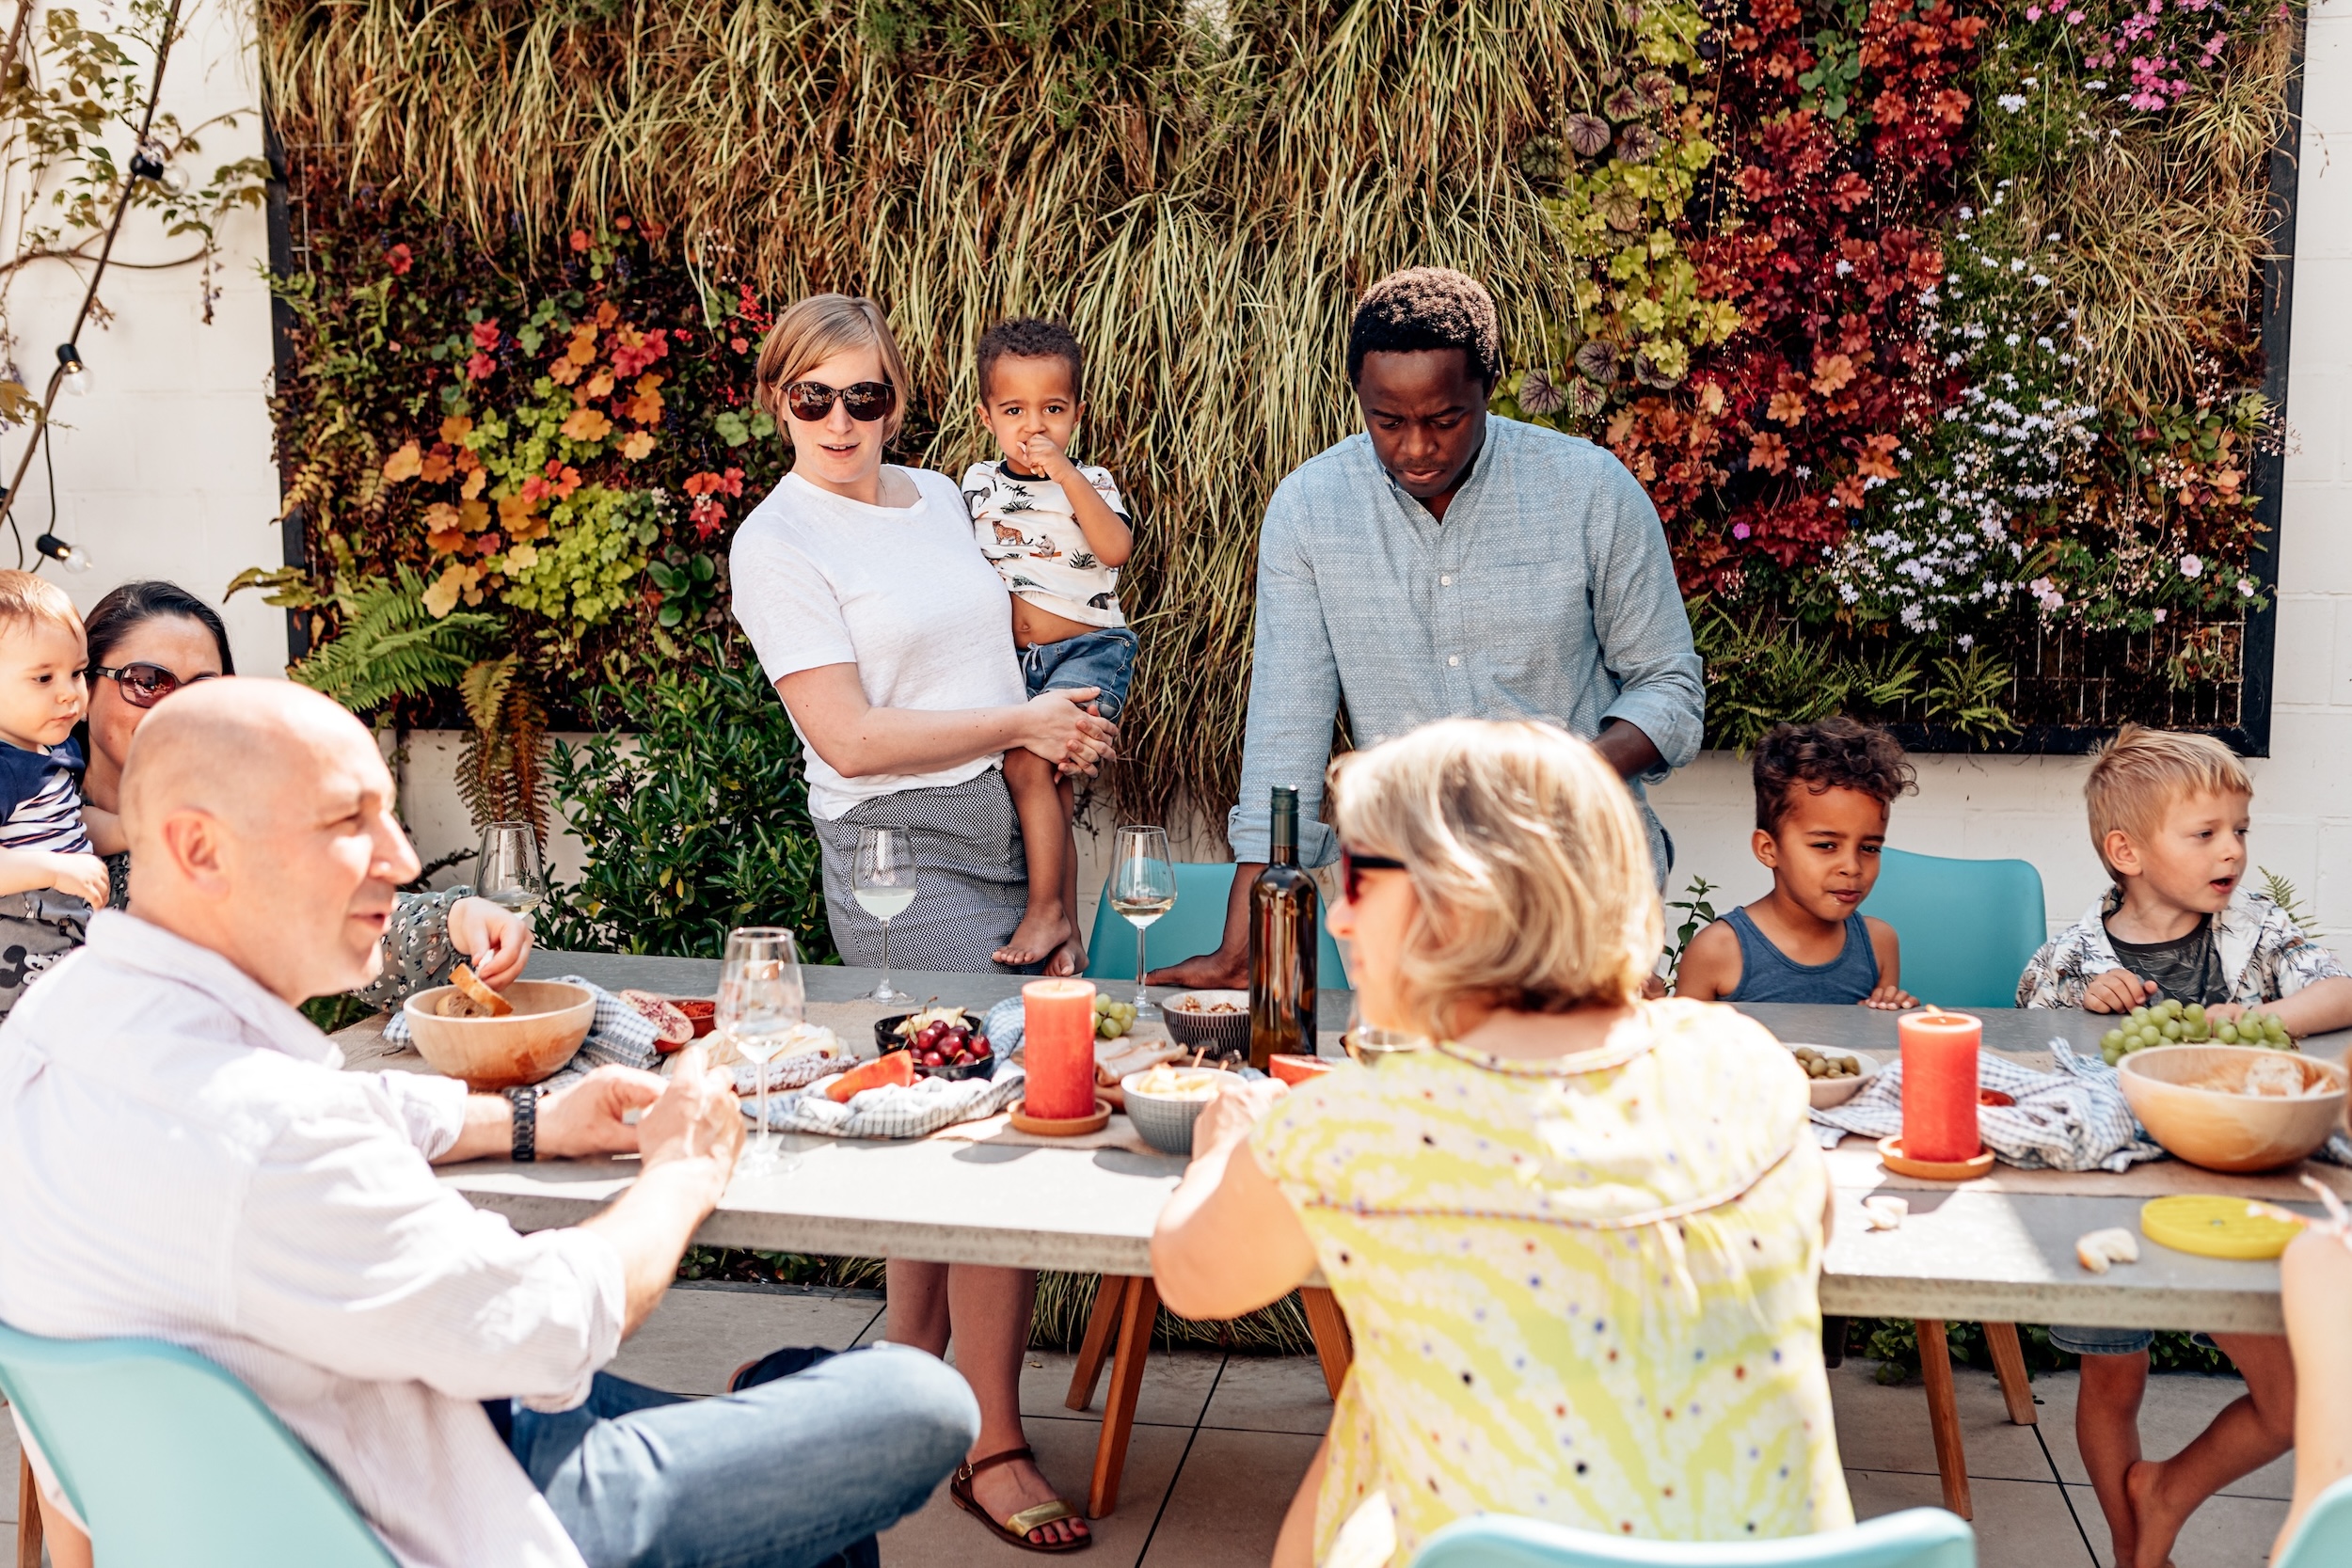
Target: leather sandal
{"type": "Point", "coordinates": [1016, 1529]}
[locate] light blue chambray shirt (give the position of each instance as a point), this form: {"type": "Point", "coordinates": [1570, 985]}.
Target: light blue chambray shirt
{"type": "Point", "coordinates": [1547, 593]}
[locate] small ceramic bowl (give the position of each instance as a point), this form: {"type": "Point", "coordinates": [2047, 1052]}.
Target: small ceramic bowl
{"type": "Point", "coordinates": [2227, 1131]}
{"type": "Point", "coordinates": [1218, 1034]}
{"type": "Point", "coordinates": [1164, 1121]}
{"type": "Point", "coordinates": [1827, 1092]}
{"type": "Point", "coordinates": [887, 1037]}
{"type": "Point", "coordinates": [549, 1021]}
{"type": "Point", "coordinates": [888, 1040]}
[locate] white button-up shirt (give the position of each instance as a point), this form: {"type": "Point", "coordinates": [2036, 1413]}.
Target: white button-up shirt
{"type": "Point", "coordinates": [182, 1157]}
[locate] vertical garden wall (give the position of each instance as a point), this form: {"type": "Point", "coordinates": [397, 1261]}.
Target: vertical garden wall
{"type": "Point", "coordinates": [1936, 332]}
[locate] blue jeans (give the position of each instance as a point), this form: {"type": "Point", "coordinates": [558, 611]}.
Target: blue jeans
{"type": "Point", "coordinates": [796, 1472]}
{"type": "Point", "coordinates": [2076, 1340]}
{"type": "Point", "coordinates": [1105, 659]}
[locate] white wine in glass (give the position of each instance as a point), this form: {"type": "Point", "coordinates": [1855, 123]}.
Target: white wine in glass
{"type": "Point", "coordinates": [509, 873]}
{"type": "Point", "coordinates": [1143, 888]}
{"type": "Point", "coordinates": [882, 881]}
{"type": "Point", "coordinates": [761, 1001]}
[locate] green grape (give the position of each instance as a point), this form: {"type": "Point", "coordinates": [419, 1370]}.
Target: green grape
{"type": "Point", "coordinates": [2193, 1014]}
{"type": "Point", "coordinates": [2111, 1055]}
{"type": "Point", "coordinates": [2173, 1030]}
{"type": "Point", "coordinates": [2227, 1033]}
{"type": "Point", "coordinates": [2111, 1040]}
{"type": "Point", "coordinates": [2172, 1007]}
{"type": "Point", "coordinates": [2139, 1015]}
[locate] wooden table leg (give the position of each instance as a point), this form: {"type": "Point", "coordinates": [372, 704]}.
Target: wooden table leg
{"type": "Point", "coordinates": [1097, 1343]}
{"type": "Point", "coordinates": [2009, 1365]}
{"type": "Point", "coordinates": [1335, 1344]}
{"type": "Point", "coordinates": [1139, 1305]}
{"type": "Point", "coordinates": [28, 1521]}
{"type": "Point", "coordinates": [1952, 1459]}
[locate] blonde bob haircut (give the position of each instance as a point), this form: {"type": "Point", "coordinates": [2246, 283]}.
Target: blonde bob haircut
{"type": "Point", "coordinates": [813, 331]}
{"type": "Point", "coordinates": [2141, 772]}
{"type": "Point", "coordinates": [1529, 862]}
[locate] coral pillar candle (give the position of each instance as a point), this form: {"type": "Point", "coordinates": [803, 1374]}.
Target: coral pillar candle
{"type": "Point", "coordinates": [1940, 1085]}
{"type": "Point", "coordinates": [1057, 1048]}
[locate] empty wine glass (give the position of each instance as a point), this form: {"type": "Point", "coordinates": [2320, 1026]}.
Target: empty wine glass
{"type": "Point", "coordinates": [884, 881]}
{"type": "Point", "coordinates": [509, 873]}
{"type": "Point", "coordinates": [1143, 888]}
{"type": "Point", "coordinates": [761, 1001]}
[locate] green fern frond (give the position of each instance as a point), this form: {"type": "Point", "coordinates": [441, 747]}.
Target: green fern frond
{"type": "Point", "coordinates": [502, 764]}
{"type": "Point", "coordinates": [390, 645]}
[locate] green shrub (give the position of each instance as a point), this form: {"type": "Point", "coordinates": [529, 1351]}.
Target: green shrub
{"type": "Point", "coordinates": [692, 805]}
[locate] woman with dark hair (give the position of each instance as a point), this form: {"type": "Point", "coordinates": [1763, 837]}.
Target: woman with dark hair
{"type": "Point", "coordinates": [148, 640]}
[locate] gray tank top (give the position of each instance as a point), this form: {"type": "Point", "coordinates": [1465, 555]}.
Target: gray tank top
{"type": "Point", "coordinates": [1767, 975]}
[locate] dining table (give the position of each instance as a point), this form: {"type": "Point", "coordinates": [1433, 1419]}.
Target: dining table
{"type": "Point", "coordinates": [1999, 1250]}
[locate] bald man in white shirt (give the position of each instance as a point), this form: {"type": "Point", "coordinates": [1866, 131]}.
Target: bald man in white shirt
{"type": "Point", "coordinates": [182, 1157]}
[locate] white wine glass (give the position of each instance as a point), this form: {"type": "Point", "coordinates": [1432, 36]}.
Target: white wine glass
{"type": "Point", "coordinates": [761, 1001]}
{"type": "Point", "coordinates": [1143, 888]}
{"type": "Point", "coordinates": [883, 882]}
{"type": "Point", "coordinates": [509, 873]}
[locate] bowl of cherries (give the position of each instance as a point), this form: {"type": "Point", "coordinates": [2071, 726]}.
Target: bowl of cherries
{"type": "Point", "coordinates": [946, 1042]}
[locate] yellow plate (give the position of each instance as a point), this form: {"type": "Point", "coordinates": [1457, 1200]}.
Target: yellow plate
{"type": "Point", "coordinates": [2213, 1227]}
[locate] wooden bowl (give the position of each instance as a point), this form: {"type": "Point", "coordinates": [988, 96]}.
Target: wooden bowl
{"type": "Point", "coordinates": [2229, 1131]}
{"type": "Point", "coordinates": [549, 1021]}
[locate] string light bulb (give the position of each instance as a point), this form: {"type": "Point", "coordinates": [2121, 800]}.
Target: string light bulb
{"type": "Point", "coordinates": [72, 557]}
{"type": "Point", "coordinates": [77, 374]}
{"type": "Point", "coordinates": [151, 162]}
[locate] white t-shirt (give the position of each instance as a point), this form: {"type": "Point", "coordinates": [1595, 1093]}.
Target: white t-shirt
{"type": "Point", "coordinates": [899, 592]}
{"type": "Point", "coordinates": [1027, 531]}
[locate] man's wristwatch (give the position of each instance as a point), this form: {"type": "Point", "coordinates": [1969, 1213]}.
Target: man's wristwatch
{"type": "Point", "coordinates": [526, 1102]}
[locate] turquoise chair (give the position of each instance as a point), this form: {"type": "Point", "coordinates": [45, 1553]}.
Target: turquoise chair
{"type": "Point", "coordinates": [1967, 927]}
{"type": "Point", "coordinates": [1195, 925]}
{"type": "Point", "coordinates": [171, 1460]}
{"type": "Point", "coordinates": [1916, 1538]}
{"type": "Point", "coordinates": [2324, 1539]}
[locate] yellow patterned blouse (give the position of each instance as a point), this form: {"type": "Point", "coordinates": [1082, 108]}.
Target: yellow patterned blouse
{"type": "Point", "coordinates": [1582, 1289]}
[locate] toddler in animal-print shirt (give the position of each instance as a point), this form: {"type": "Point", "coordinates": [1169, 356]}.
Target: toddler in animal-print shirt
{"type": "Point", "coordinates": [1058, 533]}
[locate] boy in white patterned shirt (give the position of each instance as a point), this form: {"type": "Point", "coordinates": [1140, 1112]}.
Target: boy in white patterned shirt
{"type": "Point", "coordinates": [1058, 533]}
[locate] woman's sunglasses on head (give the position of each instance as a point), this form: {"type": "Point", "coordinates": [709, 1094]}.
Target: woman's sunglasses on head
{"type": "Point", "coordinates": [1353, 866]}
{"type": "Point", "coordinates": [145, 684]}
{"type": "Point", "coordinates": [867, 402]}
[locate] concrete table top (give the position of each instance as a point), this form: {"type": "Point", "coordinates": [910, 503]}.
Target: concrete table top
{"type": "Point", "coordinates": [1964, 1255]}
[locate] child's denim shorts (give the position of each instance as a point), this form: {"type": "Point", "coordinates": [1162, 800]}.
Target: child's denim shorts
{"type": "Point", "coordinates": [1105, 659]}
{"type": "Point", "coordinates": [2076, 1340]}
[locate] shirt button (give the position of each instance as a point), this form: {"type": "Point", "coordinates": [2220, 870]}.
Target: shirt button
{"type": "Point", "coordinates": [1453, 658]}
{"type": "Point", "coordinates": [1446, 581]}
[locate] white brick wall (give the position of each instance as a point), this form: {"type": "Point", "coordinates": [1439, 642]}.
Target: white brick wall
{"type": "Point", "coordinates": [164, 471]}
{"type": "Point", "coordinates": [168, 472]}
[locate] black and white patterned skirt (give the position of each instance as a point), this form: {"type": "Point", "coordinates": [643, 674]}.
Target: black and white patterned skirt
{"type": "Point", "coordinates": [971, 878]}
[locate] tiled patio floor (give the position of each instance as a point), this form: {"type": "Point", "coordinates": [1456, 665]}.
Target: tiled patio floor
{"type": "Point", "coordinates": [1222, 1441]}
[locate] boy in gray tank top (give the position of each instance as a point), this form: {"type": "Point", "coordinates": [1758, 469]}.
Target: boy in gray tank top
{"type": "Point", "coordinates": [1822, 794]}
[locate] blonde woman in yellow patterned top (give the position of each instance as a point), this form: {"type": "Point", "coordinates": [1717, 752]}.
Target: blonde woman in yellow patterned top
{"type": "Point", "coordinates": [1578, 1239]}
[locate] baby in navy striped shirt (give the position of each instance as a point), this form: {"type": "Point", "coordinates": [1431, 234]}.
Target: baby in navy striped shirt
{"type": "Point", "coordinates": [46, 844]}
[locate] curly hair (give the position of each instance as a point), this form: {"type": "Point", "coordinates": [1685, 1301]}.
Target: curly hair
{"type": "Point", "coordinates": [1834, 754]}
{"type": "Point", "coordinates": [1032, 338]}
{"type": "Point", "coordinates": [1426, 307]}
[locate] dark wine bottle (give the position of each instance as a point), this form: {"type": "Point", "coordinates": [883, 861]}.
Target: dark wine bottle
{"type": "Point", "coordinates": [1282, 945]}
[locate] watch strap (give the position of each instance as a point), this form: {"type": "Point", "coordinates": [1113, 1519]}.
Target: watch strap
{"type": "Point", "coordinates": [525, 1101]}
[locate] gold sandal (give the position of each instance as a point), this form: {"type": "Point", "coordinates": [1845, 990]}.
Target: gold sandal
{"type": "Point", "coordinates": [1015, 1529]}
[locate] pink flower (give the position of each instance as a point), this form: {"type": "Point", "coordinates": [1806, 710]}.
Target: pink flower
{"type": "Point", "coordinates": [480, 367]}
{"type": "Point", "coordinates": [1738, 531]}
{"type": "Point", "coordinates": [485, 335]}
{"type": "Point", "coordinates": [2191, 567]}
{"type": "Point", "coordinates": [2159, 617]}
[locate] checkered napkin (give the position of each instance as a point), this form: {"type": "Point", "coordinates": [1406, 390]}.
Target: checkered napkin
{"type": "Point", "coordinates": [2074, 1119]}
{"type": "Point", "coordinates": [619, 1033]}
{"type": "Point", "coordinates": [892, 1110]}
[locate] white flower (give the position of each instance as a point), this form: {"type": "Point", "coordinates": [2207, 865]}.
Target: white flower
{"type": "Point", "coordinates": [2159, 617]}
{"type": "Point", "coordinates": [1967, 640]}
{"type": "Point", "coordinates": [2191, 567]}
{"type": "Point", "coordinates": [2245, 588]}
{"type": "Point", "coordinates": [2040, 281]}
{"type": "Point", "coordinates": [2013, 101]}
{"type": "Point", "coordinates": [1967, 212]}
{"type": "Point", "coordinates": [1845, 268]}
{"type": "Point", "coordinates": [2095, 85]}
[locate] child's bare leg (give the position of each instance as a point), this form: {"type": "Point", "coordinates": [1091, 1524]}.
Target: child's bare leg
{"type": "Point", "coordinates": [1045, 926]}
{"type": "Point", "coordinates": [2250, 1431]}
{"type": "Point", "coordinates": [1071, 956]}
{"type": "Point", "coordinates": [2107, 1430]}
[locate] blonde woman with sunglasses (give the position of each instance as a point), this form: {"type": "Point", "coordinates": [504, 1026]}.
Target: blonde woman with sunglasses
{"type": "Point", "coordinates": [1578, 1236]}
{"type": "Point", "coordinates": [889, 637]}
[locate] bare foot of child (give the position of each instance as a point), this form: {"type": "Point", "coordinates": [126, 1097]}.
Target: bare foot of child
{"type": "Point", "coordinates": [2159, 1520]}
{"type": "Point", "coordinates": [1043, 931]}
{"type": "Point", "coordinates": [1068, 958]}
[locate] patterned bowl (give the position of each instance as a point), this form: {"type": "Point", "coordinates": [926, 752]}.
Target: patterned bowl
{"type": "Point", "coordinates": [1217, 1034]}
{"type": "Point", "coordinates": [1164, 1120]}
